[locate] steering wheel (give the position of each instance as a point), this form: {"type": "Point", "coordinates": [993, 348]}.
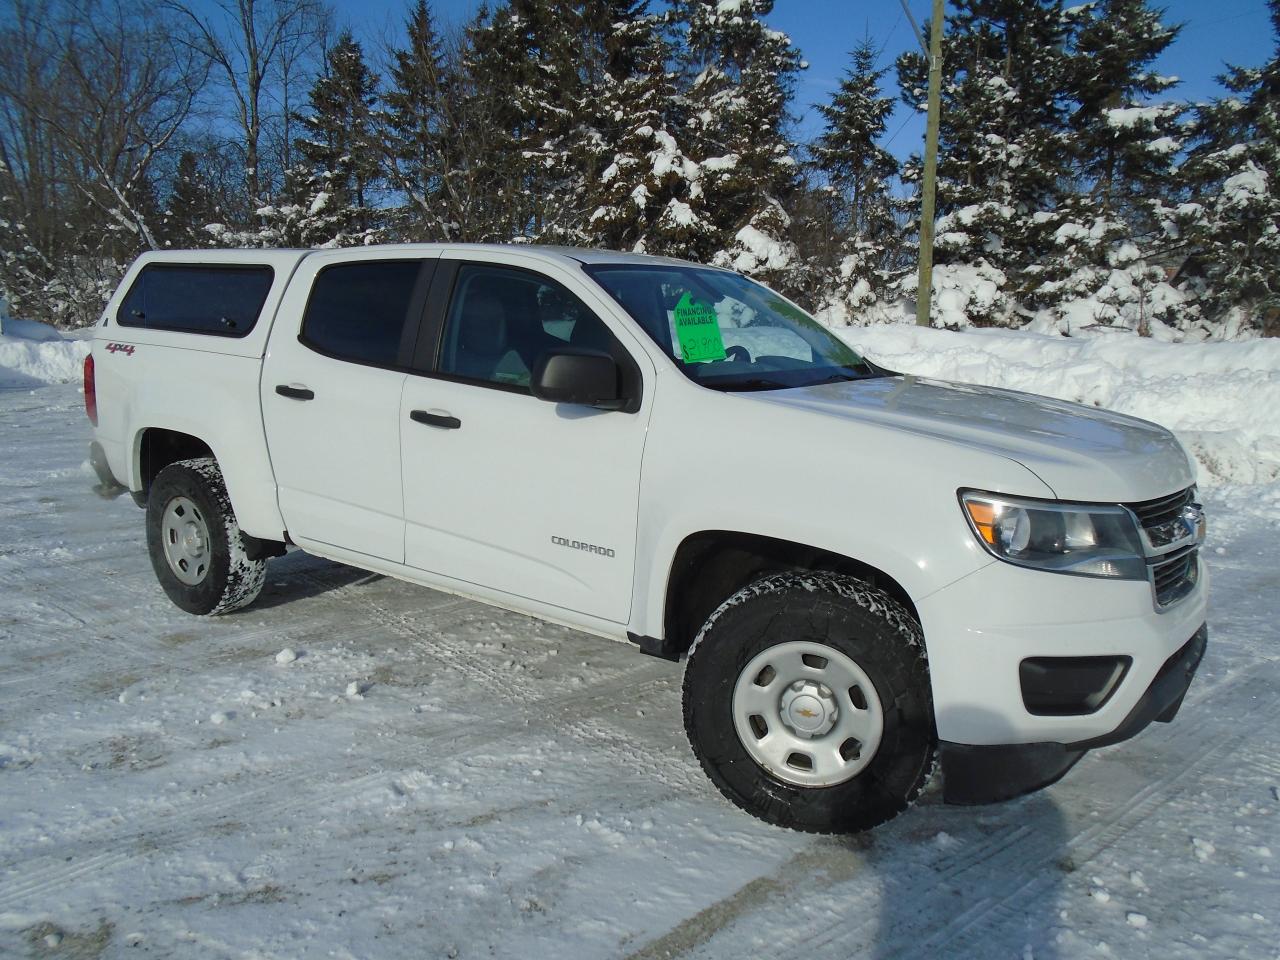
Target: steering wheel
{"type": "Point", "coordinates": [737, 352]}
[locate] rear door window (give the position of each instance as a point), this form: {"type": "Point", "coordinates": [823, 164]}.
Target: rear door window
{"type": "Point", "coordinates": [212, 299]}
{"type": "Point", "coordinates": [367, 312]}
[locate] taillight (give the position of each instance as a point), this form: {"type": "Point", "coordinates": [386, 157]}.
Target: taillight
{"type": "Point", "coordinates": [90, 391]}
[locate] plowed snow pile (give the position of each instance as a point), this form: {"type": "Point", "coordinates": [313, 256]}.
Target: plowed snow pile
{"type": "Point", "coordinates": [34, 353]}
{"type": "Point", "coordinates": [1221, 399]}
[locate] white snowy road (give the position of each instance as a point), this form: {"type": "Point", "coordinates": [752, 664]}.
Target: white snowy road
{"type": "Point", "coordinates": [501, 787]}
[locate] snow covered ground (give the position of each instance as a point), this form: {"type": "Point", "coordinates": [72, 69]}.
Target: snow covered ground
{"type": "Point", "coordinates": [496, 787]}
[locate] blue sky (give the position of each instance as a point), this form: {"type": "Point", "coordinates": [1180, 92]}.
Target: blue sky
{"type": "Point", "coordinates": [1215, 32]}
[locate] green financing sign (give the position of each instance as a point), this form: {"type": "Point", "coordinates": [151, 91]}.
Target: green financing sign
{"type": "Point", "coordinates": [698, 330]}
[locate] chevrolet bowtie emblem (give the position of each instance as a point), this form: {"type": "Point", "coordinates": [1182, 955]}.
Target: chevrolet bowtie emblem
{"type": "Point", "coordinates": [806, 713]}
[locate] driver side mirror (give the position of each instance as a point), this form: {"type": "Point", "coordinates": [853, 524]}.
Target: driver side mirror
{"type": "Point", "coordinates": [588, 377]}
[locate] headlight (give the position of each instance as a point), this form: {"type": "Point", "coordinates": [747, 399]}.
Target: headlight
{"type": "Point", "coordinates": [1084, 539]}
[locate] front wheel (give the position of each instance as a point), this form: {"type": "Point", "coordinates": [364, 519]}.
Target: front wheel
{"type": "Point", "coordinates": [197, 550]}
{"type": "Point", "coordinates": [807, 702]}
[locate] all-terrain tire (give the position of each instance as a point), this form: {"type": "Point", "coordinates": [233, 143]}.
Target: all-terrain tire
{"type": "Point", "coordinates": [856, 620]}
{"type": "Point", "coordinates": [227, 578]}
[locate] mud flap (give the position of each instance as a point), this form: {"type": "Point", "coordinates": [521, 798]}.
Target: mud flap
{"type": "Point", "coordinates": [976, 775]}
{"type": "Point", "coordinates": [107, 487]}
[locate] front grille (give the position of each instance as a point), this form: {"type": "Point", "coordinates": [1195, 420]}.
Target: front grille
{"type": "Point", "coordinates": [1159, 515]}
{"type": "Point", "coordinates": [1173, 574]}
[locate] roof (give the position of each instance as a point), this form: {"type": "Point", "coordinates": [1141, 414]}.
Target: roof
{"type": "Point", "coordinates": [548, 251]}
{"type": "Point", "coordinates": [590, 254]}
{"type": "Point", "coordinates": [554, 254]}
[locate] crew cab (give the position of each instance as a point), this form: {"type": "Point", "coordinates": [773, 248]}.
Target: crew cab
{"type": "Point", "coordinates": [862, 571]}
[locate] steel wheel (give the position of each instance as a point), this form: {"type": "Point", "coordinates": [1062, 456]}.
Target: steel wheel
{"type": "Point", "coordinates": [186, 540]}
{"type": "Point", "coordinates": [808, 714]}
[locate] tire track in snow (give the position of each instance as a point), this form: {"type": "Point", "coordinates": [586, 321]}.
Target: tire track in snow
{"type": "Point", "coordinates": [831, 858]}
{"type": "Point", "coordinates": [1016, 863]}
{"type": "Point", "coordinates": [1089, 844]}
{"type": "Point", "coordinates": [130, 654]}
{"type": "Point", "coordinates": [1024, 860]}
{"type": "Point", "coordinates": [133, 587]}
{"type": "Point", "coordinates": [497, 680]}
{"type": "Point", "coordinates": [187, 822]}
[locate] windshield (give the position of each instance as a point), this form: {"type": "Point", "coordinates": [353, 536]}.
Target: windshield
{"type": "Point", "coordinates": [726, 332]}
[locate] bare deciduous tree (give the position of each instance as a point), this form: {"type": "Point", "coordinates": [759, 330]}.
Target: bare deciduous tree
{"type": "Point", "coordinates": [94, 94]}
{"type": "Point", "coordinates": [255, 47]}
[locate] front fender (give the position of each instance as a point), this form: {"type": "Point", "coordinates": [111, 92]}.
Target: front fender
{"type": "Point", "coordinates": [874, 495]}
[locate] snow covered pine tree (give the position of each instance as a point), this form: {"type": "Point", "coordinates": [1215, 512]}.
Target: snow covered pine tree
{"type": "Point", "coordinates": [1003, 153]}
{"type": "Point", "coordinates": [740, 77]}
{"type": "Point", "coordinates": [1104, 265]}
{"type": "Point", "coordinates": [1233, 220]}
{"type": "Point", "coordinates": [858, 172]}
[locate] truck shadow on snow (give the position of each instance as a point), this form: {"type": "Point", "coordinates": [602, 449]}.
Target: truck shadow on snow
{"type": "Point", "coordinates": [993, 873]}
{"type": "Point", "coordinates": [299, 576]}
{"type": "Point", "coordinates": [972, 881]}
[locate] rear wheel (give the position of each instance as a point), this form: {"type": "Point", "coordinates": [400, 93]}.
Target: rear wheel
{"type": "Point", "coordinates": [196, 548]}
{"type": "Point", "coordinates": [806, 699]}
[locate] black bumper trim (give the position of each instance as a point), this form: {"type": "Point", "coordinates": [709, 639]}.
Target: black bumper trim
{"type": "Point", "coordinates": [1163, 698]}
{"type": "Point", "coordinates": [974, 775]}
{"type": "Point", "coordinates": [108, 486]}
{"type": "Point", "coordinates": [989, 774]}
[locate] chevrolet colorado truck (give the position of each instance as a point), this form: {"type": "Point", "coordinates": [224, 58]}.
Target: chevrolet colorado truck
{"type": "Point", "coordinates": [865, 573]}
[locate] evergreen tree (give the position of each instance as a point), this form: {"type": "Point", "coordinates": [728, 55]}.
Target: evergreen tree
{"type": "Point", "coordinates": [1234, 224]}
{"type": "Point", "coordinates": [857, 171]}
{"type": "Point", "coordinates": [585, 50]}
{"type": "Point", "coordinates": [631, 161]}
{"type": "Point", "coordinates": [412, 129]}
{"type": "Point", "coordinates": [1123, 144]}
{"type": "Point", "coordinates": [1123, 151]}
{"type": "Point", "coordinates": [1004, 160]}
{"type": "Point", "coordinates": [576, 94]}
{"type": "Point", "coordinates": [340, 146]}
{"type": "Point", "coordinates": [191, 208]}
{"type": "Point", "coordinates": [303, 214]}
{"type": "Point", "coordinates": [848, 150]}
{"type": "Point", "coordinates": [740, 77]}
{"type": "Point", "coordinates": [516, 59]}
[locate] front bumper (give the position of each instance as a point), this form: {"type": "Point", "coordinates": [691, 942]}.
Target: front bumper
{"type": "Point", "coordinates": [980, 630]}
{"type": "Point", "coordinates": [988, 774]}
{"type": "Point", "coordinates": [1163, 698]}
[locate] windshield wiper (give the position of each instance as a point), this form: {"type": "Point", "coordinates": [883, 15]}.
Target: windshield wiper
{"type": "Point", "coordinates": [848, 374]}
{"type": "Point", "coordinates": [753, 383]}
{"type": "Point", "coordinates": [838, 378]}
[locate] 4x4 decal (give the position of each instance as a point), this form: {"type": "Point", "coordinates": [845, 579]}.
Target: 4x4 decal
{"type": "Point", "coordinates": [125, 348]}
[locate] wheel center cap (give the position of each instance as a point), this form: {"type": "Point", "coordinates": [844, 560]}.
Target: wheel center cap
{"type": "Point", "coordinates": [192, 539]}
{"type": "Point", "coordinates": [806, 712]}
{"type": "Point", "coordinates": [808, 709]}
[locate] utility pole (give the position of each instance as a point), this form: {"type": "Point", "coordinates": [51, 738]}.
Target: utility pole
{"type": "Point", "coordinates": [924, 284]}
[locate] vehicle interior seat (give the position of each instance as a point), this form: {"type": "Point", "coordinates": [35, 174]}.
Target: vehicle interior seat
{"type": "Point", "coordinates": [482, 350]}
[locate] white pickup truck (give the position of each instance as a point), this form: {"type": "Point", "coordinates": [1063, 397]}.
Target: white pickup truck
{"type": "Point", "coordinates": [863, 571]}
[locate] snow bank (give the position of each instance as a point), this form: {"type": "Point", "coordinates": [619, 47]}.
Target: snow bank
{"type": "Point", "coordinates": [1221, 399]}
{"type": "Point", "coordinates": [32, 353]}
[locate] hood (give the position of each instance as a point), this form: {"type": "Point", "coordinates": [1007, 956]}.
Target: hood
{"type": "Point", "coordinates": [1081, 453]}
